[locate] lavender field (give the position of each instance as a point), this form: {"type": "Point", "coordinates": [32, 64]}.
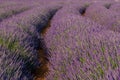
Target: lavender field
{"type": "Point", "coordinates": [59, 40]}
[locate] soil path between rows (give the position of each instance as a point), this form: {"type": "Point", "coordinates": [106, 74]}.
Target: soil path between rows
{"type": "Point", "coordinates": [45, 67]}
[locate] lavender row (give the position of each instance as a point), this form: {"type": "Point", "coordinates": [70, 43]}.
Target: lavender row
{"type": "Point", "coordinates": [19, 47]}
{"type": "Point", "coordinates": [19, 64]}
{"type": "Point", "coordinates": [12, 10]}
{"type": "Point", "coordinates": [20, 36]}
{"type": "Point", "coordinates": [6, 4]}
{"type": "Point", "coordinates": [82, 49]}
{"type": "Point", "coordinates": [65, 13]}
{"type": "Point", "coordinates": [115, 7]}
{"type": "Point", "coordinates": [103, 16]}
{"type": "Point", "coordinates": [37, 17]}
{"type": "Point", "coordinates": [31, 23]}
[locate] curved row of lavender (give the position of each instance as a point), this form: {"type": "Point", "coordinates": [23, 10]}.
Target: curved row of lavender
{"type": "Point", "coordinates": [20, 41]}
{"type": "Point", "coordinates": [82, 48]}
{"type": "Point", "coordinates": [8, 11]}
{"type": "Point", "coordinates": [115, 7]}
{"type": "Point", "coordinates": [104, 16]}
{"type": "Point", "coordinates": [7, 3]}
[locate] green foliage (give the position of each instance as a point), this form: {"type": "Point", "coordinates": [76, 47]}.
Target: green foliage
{"type": "Point", "coordinates": [103, 49]}
{"type": "Point", "coordinates": [113, 63]}
{"type": "Point", "coordinates": [100, 71]}
{"type": "Point", "coordinates": [1, 41]}
{"type": "Point", "coordinates": [82, 60]}
{"type": "Point", "coordinates": [56, 76]}
{"type": "Point", "coordinates": [93, 76]}
{"type": "Point", "coordinates": [11, 45]}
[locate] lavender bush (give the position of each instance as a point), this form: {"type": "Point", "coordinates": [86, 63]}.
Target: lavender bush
{"type": "Point", "coordinates": [103, 16]}
{"type": "Point", "coordinates": [82, 49]}
{"type": "Point", "coordinates": [6, 4]}
{"type": "Point", "coordinates": [115, 7]}
{"type": "Point", "coordinates": [12, 10]}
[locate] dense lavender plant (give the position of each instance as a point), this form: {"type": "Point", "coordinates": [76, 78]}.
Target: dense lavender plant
{"type": "Point", "coordinates": [116, 7]}
{"type": "Point", "coordinates": [6, 4]}
{"type": "Point", "coordinates": [19, 60]}
{"type": "Point", "coordinates": [103, 16]}
{"type": "Point", "coordinates": [81, 49]}
{"type": "Point", "coordinates": [12, 10]}
{"type": "Point", "coordinates": [37, 17]}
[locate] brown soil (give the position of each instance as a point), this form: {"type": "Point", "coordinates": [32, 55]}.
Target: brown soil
{"type": "Point", "coordinates": [46, 28]}
{"type": "Point", "coordinates": [43, 70]}
{"type": "Point", "coordinates": [40, 79]}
